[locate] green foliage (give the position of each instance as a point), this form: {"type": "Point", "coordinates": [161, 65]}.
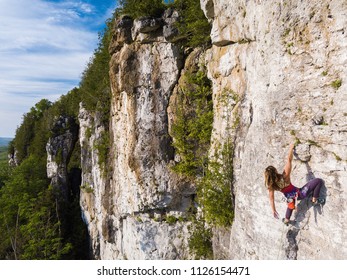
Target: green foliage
{"type": "Point", "coordinates": [200, 241]}
{"type": "Point", "coordinates": [193, 24]}
{"type": "Point", "coordinates": [33, 221]}
{"type": "Point", "coordinates": [88, 132]}
{"type": "Point", "coordinates": [313, 143]}
{"type": "Point", "coordinates": [75, 231]}
{"type": "Point", "coordinates": [3, 153]}
{"type": "Point", "coordinates": [5, 172]}
{"type": "Point", "coordinates": [38, 125]}
{"type": "Point", "coordinates": [95, 83]}
{"type": "Point", "coordinates": [337, 157]}
{"type": "Point", "coordinates": [297, 141]}
{"type": "Point", "coordinates": [192, 127]}
{"type": "Point", "coordinates": [87, 189]}
{"type": "Point", "coordinates": [96, 92]}
{"type": "Point", "coordinates": [28, 221]}
{"type": "Point", "coordinates": [215, 188]}
{"type": "Point", "coordinates": [75, 158]}
{"type": "Point", "coordinates": [26, 132]}
{"type": "Point", "coordinates": [68, 105]}
{"type": "Point", "coordinates": [38, 110]}
{"type": "Point", "coordinates": [216, 200]}
{"type": "Point", "coordinates": [171, 219]}
{"type": "Point", "coordinates": [43, 228]}
{"type": "Point", "coordinates": [336, 84]}
{"type": "Point", "coordinates": [136, 9]}
{"type": "Point", "coordinates": [103, 145]}
{"type": "Point", "coordinates": [36, 222]}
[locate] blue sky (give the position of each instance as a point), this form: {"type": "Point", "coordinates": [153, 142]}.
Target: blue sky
{"type": "Point", "coordinates": [44, 47]}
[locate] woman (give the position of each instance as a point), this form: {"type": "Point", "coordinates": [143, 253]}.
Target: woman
{"type": "Point", "coordinates": [281, 182]}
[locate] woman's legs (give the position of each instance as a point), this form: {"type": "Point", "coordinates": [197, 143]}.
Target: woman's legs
{"type": "Point", "coordinates": [313, 187]}
{"type": "Point", "coordinates": [289, 213]}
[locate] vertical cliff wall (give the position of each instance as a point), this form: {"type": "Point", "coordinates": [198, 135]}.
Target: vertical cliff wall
{"type": "Point", "coordinates": [278, 74]}
{"type": "Point", "coordinates": [136, 209]}
{"type": "Point", "coordinates": [278, 70]}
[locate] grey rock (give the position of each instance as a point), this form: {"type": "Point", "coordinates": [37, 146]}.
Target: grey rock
{"type": "Point", "coordinates": [143, 26]}
{"type": "Point", "coordinates": [147, 25]}
{"type": "Point", "coordinates": [282, 74]}
{"type": "Point", "coordinates": [208, 7]}
{"type": "Point", "coordinates": [59, 149]}
{"type": "Point", "coordinates": [121, 34]}
{"type": "Point", "coordinates": [302, 152]}
{"type": "Point", "coordinates": [119, 209]}
{"type": "Point", "coordinates": [170, 31]}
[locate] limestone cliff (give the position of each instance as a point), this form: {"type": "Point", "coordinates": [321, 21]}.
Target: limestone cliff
{"type": "Point", "coordinates": [59, 149]}
{"type": "Point", "coordinates": [285, 60]}
{"type": "Point", "coordinates": [128, 211]}
{"type": "Point", "coordinates": [278, 74]}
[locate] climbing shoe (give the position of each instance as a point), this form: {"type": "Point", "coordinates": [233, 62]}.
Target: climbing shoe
{"type": "Point", "coordinates": [319, 201]}
{"type": "Point", "coordinates": [285, 222]}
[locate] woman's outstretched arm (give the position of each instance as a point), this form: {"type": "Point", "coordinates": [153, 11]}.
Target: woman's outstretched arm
{"type": "Point", "coordinates": [288, 166]}
{"type": "Point", "coordinates": [272, 203]}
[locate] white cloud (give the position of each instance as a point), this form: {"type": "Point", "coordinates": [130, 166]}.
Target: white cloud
{"type": "Point", "coordinates": [44, 47]}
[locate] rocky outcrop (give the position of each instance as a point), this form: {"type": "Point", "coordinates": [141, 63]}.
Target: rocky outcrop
{"type": "Point", "coordinates": [13, 159]}
{"type": "Point", "coordinates": [136, 210]}
{"type": "Point", "coordinates": [59, 149]}
{"type": "Point", "coordinates": [278, 70]}
{"type": "Point", "coordinates": [93, 181]}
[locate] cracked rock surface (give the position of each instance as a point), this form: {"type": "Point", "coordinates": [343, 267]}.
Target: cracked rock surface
{"type": "Point", "coordinates": [286, 62]}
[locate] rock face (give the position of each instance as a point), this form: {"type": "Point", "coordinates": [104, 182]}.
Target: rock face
{"type": "Point", "coordinates": [93, 182]}
{"type": "Point", "coordinates": [59, 149]}
{"type": "Point", "coordinates": [136, 211]}
{"type": "Point", "coordinates": [278, 72]}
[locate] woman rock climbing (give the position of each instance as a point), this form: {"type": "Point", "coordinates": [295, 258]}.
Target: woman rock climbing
{"type": "Point", "coordinates": [281, 182]}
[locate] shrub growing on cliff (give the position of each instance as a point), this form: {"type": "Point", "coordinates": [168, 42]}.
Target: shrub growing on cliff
{"type": "Point", "coordinates": [193, 24]}
{"type": "Point", "coordinates": [336, 84]}
{"type": "Point", "coordinates": [215, 188]}
{"type": "Point", "coordinates": [200, 240]}
{"type": "Point", "coordinates": [102, 145]}
{"type": "Point", "coordinates": [95, 89]}
{"type": "Point", "coordinates": [95, 83]}
{"type": "Point", "coordinates": [192, 127]}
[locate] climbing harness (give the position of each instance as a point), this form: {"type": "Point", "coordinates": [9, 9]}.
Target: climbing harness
{"type": "Point", "coordinates": [291, 203]}
{"type": "Point", "coordinates": [290, 199]}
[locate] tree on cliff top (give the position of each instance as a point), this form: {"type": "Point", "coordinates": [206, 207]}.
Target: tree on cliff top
{"type": "Point", "coordinates": [137, 9]}
{"type": "Point", "coordinates": [193, 24]}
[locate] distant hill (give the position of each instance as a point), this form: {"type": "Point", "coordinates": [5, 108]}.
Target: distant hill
{"type": "Point", "coordinates": [4, 141]}
{"type": "Point", "coordinates": [3, 148]}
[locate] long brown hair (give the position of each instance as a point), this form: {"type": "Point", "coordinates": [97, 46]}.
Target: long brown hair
{"type": "Point", "coordinates": [273, 180]}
